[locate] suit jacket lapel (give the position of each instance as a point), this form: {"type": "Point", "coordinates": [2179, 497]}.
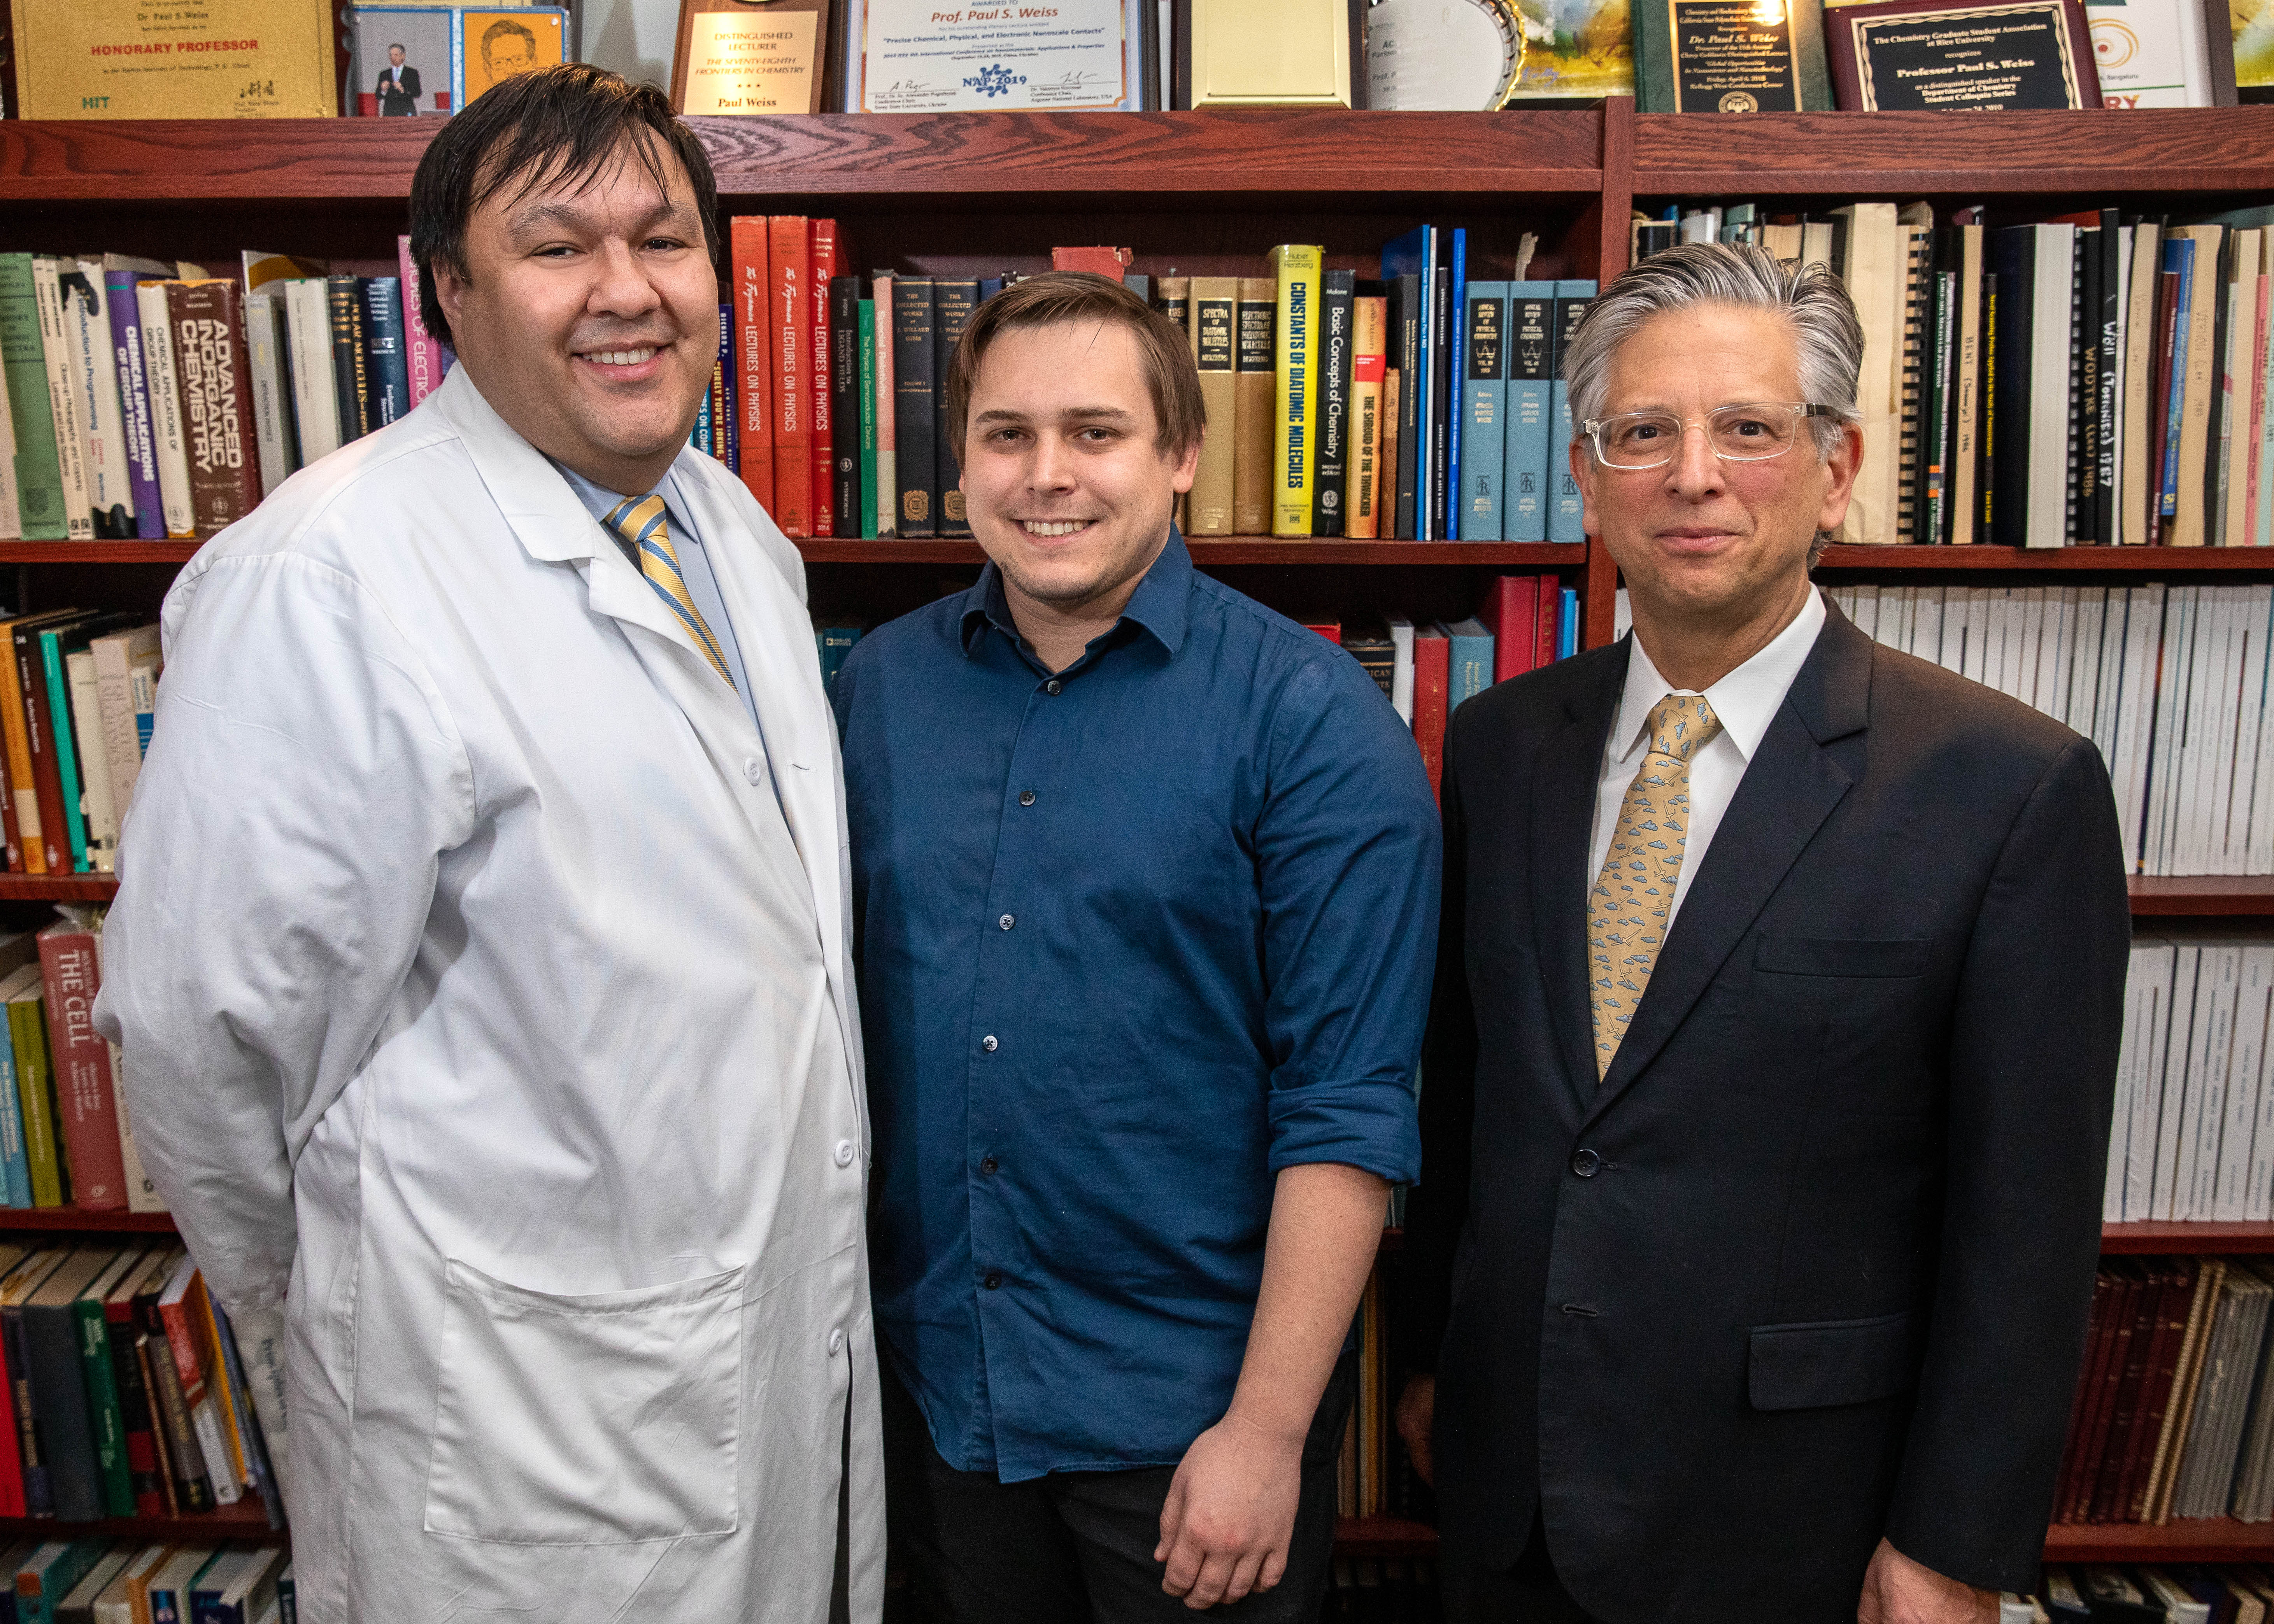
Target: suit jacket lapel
{"type": "Point", "coordinates": [1563, 832]}
{"type": "Point", "coordinates": [1789, 788]}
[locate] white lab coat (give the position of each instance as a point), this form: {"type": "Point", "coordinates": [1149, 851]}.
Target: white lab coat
{"type": "Point", "coordinates": [475, 987]}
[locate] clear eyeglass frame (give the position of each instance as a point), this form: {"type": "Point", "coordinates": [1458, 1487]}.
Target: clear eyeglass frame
{"type": "Point", "coordinates": [1723, 426]}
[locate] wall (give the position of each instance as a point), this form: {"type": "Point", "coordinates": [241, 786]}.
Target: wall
{"type": "Point", "coordinates": [632, 37]}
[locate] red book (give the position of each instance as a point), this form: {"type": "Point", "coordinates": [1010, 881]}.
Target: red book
{"type": "Point", "coordinates": [753, 357]}
{"type": "Point", "coordinates": [1551, 622]}
{"type": "Point", "coordinates": [1432, 672]}
{"type": "Point", "coordinates": [788, 256]}
{"type": "Point", "coordinates": [1104, 261]}
{"type": "Point", "coordinates": [1331, 630]}
{"type": "Point", "coordinates": [85, 1099]}
{"type": "Point", "coordinates": [1511, 609]}
{"type": "Point", "coordinates": [821, 264]}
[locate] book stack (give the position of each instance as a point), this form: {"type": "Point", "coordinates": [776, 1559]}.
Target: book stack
{"type": "Point", "coordinates": [130, 1389]}
{"type": "Point", "coordinates": [2171, 1415]}
{"type": "Point", "coordinates": [153, 402]}
{"type": "Point", "coordinates": [2170, 682]}
{"type": "Point", "coordinates": [2097, 379]}
{"type": "Point", "coordinates": [126, 1582]}
{"type": "Point", "coordinates": [2190, 1595]}
{"type": "Point", "coordinates": [78, 695]}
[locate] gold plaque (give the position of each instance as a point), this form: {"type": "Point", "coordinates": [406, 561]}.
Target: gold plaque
{"type": "Point", "coordinates": [750, 62]}
{"type": "Point", "coordinates": [174, 59]}
{"type": "Point", "coordinates": [1279, 53]}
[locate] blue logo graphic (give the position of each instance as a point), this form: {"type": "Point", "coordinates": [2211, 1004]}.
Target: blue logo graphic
{"type": "Point", "coordinates": [994, 80]}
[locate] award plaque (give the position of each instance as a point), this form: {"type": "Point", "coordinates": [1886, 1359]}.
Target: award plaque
{"type": "Point", "coordinates": [1730, 57]}
{"type": "Point", "coordinates": [737, 58]}
{"type": "Point", "coordinates": [913, 57]}
{"type": "Point", "coordinates": [1950, 57]}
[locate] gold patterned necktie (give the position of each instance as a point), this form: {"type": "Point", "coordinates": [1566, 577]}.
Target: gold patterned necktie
{"type": "Point", "coordinates": [639, 520]}
{"type": "Point", "coordinates": [1627, 910]}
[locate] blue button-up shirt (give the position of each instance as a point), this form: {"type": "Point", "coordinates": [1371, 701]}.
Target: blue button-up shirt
{"type": "Point", "coordinates": [1132, 938]}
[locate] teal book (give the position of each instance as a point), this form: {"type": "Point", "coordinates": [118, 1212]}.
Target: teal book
{"type": "Point", "coordinates": [48, 1577]}
{"type": "Point", "coordinates": [868, 419]}
{"type": "Point", "coordinates": [835, 643]}
{"type": "Point", "coordinates": [59, 712]}
{"type": "Point", "coordinates": [1469, 665]}
{"type": "Point", "coordinates": [1531, 404]}
{"type": "Point", "coordinates": [23, 361]}
{"type": "Point", "coordinates": [1484, 416]}
{"type": "Point", "coordinates": [1565, 519]}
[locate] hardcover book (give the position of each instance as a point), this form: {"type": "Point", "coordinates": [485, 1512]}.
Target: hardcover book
{"type": "Point", "coordinates": [216, 387]}
{"type": "Point", "coordinates": [1295, 419]}
{"type": "Point", "coordinates": [1214, 301]}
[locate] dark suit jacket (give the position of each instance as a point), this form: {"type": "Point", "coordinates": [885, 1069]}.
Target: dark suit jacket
{"type": "Point", "coordinates": [1811, 1264]}
{"type": "Point", "coordinates": [398, 92]}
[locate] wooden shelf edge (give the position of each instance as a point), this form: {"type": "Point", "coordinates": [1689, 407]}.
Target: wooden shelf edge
{"type": "Point", "coordinates": [2126, 560]}
{"type": "Point", "coordinates": [2185, 1239]}
{"type": "Point", "coordinates": [76, 1220]}
{"type": "Point", "coordinates": [1241, 550]}
{"type": "Point", "coordinates": [57, 887]}
{"type": "Point", "coordinates": [2201, 896]}
{"type": "Point", "coordinates": [98, 551]}
{"type": "Point", "coordinates": [2190, 1539]}
{"type": "Point", "coordinates": [1383, 1537]}
{"type": "Point", "coordinates": [243, 1521]}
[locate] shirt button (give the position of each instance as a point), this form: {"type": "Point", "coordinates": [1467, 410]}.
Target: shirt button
{"type": "Point", "coordinates": [988, 1164]}
{"type": "Point", "coordinates": [1584, 1163]}
{"type": "Point", "coordinates": [837, 1342]}
{"type": "Point", "coordinates": [844, 1152]}
{"type": "Point", "coordinates": [755, 770]}
{"type": "Point", "coordinates": [992, 1281]}
{"type": "Point", "coordinates": [1053, 687]}
{"type": "Point", "coordinates": [988, 1043]}
{"type": "Point", "coordinates": [1026, 798]}
{"type": "Point", "coordinates": [1006, 922]}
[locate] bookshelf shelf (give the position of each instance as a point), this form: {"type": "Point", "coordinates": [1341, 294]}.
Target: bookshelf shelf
{"type": "Point", "coordinates": [2127, 560]}
{"type": "Point", "coordinates": [243, 1521]}
{"type": "Point", "coordinates": [2195, 1539]}
{"type": "Point", "coordinates": [2013, 154]}
{"type": "Point", "coordinates": [2185, 1239]}
{"type": "Point", "coordinates": [97, 551]}
{"type": "Point", "coordinates": [1239, 550]}
{"type": "Point", "coordinates": [1383, 1537]}
{"type": "Point", "coordinates": [2200, 896]}
{"type": "Point", "coordinates": [79, 1221]}
{"type": "Point", "coordinates": [57, 887]}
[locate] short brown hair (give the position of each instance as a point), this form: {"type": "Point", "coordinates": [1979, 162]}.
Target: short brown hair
{"type": "Point", "coordinates": [1170, 376]}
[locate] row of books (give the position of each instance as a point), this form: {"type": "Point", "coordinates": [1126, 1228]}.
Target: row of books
{"type": "Point", "coordinates": [2098, 379]}
{"type": "Point", "coordinates": [145, 400]}
{"type": "Point", "coordinates": [126, 1582]}
{"type": "Point", "coordinates": [66, 1136]}
{"type": "Point", "coordinates": [2174, 1415]}
{"type": "Point", "coordinates": [1372, 1590]}
{"type": "Point", "coordinates": [2171, 682]}
{"type": "Point", "coordinates": [78, 693]}
{"type": "Point", "coordinates": [132, 1394]}
{"type": "Point", "coordinates": [2191, 1594]}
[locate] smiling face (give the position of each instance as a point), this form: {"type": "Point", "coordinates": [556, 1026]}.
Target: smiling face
{"type": "Point", "coordinates": [590, 318]}
{"type": "Point", "coordinates": [1065, 488]}
{"type": "Point", "coordinates": [1699, 539]}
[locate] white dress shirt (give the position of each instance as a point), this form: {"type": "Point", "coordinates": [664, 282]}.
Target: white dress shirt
{"type": "Point", "coordinates": [1745, 701]}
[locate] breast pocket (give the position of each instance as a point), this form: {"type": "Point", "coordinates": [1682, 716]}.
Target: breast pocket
{"type": "Point", "coordinates": [586, 1420]}
{"type": "Point", "coordinates": [1839, 956]}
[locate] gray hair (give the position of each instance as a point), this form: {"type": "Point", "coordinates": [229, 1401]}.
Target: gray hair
{"type": "Point", "coordinates": [1810, 298]}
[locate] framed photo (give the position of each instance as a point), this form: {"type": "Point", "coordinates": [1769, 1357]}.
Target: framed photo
{"type": "Point", "coordinates": [493, 45]}
{"type": "Point", "coordinates": [1961, 55]}
{"type": "Point", "coordinates": [2176, 53]}
{"type": "Point", "coordinates": [405, 61]}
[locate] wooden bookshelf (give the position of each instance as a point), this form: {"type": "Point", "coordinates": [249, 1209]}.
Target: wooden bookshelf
{"type": "Point", "coordinates": [2126, 560]}
{"type": "Point", "coordinates": [246, 1521]}
{"type": "Point", "coordinates": [80, 1221]}
{"type": "Point", "coordinates": [1383, 1537]}
{"type": "Point", "coordinates": [2190, 1539]}
{"type": "Point", "coordinates": [97, 551]}
{"type": "Point", "coordinates": [2208, 1240]}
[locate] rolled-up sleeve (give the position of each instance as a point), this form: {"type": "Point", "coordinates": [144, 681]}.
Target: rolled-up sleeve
{"type": "Point", "coordinates": [1347, 850]}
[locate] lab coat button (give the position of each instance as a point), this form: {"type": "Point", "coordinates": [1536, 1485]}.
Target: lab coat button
{"type": "Point", "coordinates": [837, 1342]}
{"type": "Point", "coordinates": [844, 1152]}
{"type": "Point", "coordinates": [755, 770]}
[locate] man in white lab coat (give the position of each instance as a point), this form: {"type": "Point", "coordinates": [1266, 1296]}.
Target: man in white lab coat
{"type": "Point", "coordinates": [479, 954]}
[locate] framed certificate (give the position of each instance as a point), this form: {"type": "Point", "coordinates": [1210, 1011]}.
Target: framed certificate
{"type": "Point", "coordinates": [737, 58]}
{"type": "Point", "coordinates": [1953, 56]}
{"type": "Point", "coordinates": [914, 56]}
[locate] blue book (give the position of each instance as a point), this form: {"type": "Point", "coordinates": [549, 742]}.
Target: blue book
{"type": "Point", "coordinates": [2180, 256]}
{"type": "Point", "coordinates": [1469, 663]}
{"type": "Point", "coordinates": [1565, 521]}
{"type": "Point", "coordinates": [1415, 254]}
{"type": "Point", "coordinates": [834, 643]}
{"type": "Point", "coordinates": [1531, 406]}
{"type": "Point", "coordinates": [989, 287]}
{"type": "Point", "coordinates": [701, 438]}
{"type": "Point", "coordinates": [1484, 422]}
{"type": "Point", "coordinates": [1457, 359]}
{"type": "Point", "coordinates": [388, 362]}
{"type": "Point", "coordinates": [15, 1167]}
{"type": "Point", "coordinates": [728, 434]}
{"type": "Point", "coordinates": [1567, 629]}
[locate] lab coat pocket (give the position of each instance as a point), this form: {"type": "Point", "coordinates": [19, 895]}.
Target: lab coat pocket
{"type": "Point", "coordinates": [601, 1419]}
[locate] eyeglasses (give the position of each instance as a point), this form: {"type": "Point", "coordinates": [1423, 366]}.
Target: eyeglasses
{"type": "Point", "coordinates": [1748, 433]}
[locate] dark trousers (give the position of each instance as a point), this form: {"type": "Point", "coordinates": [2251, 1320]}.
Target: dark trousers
{"type": "Point", "coordinates": [1530, 1593]}
{"type": "Point", "coordinates": [1077, 1546]}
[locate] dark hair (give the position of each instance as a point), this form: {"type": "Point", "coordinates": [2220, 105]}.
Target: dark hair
{"type": "Point", "coordinates": [1171, 375]}
{"type": "Point", "coordinates": [560, 124]}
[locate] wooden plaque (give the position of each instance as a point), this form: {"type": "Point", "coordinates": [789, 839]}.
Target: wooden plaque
{"type": "Point", "coordinates": [772, 28]}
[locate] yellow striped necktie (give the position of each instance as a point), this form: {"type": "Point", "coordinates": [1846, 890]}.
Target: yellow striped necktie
{"type": "Point", "coordinates": [639, 520]}
{"type": "Point", "coordinates": [1627, 910]}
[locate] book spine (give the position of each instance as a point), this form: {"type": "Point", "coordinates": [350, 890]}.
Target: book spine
{"type": "Point", "coordinates": [122, 751]}
{"type": "Point", "coordinates": [145, 1476]}
{"type": "Point", "coordinates": [888, 423]}
{"type": "Point", "coordinates": [272, 416]}
{"type": "Point", "coordinates": [66, 401]}
{"type": "Point", "coordinates": [184, 1453]}
{"type": "Point", "coordinates": [1431, 673]}
{"type": "Point", "coordinates": [1441, 407]}
{"type": "Point", "coordinates": [845, 371]}
{"type": "Point", "coordinates": [197, 1399]}
{"type": "Point", "coordinates": [1546, 644]}
{"type": "Point", "coordinates": [699, 436]}
{"type": "Point", "coordinates": [39, 741]}
{"type": "Point", "coordinates": [28, 1032]}
{"type": "Point", "coordinates": [2182, 336]}
{"type": "Point", "coordinates": [748, 252]}
{"type": "Point", "coordinates": [13, 1502]}
{"type": "Point", "coordinates": [865, 337]}
{"type": "Point", "coordinates": [1526, 476]}
{"type": "Point", "coordinates": [59, 1410]}
{"type": "Point", "coordinates": [1565, 521]}
{"type": "Point", "coordinates": [59, 715]}
{"type": "Point", "coordinates": [425, 358]}
{"type": "Point", "coordinates": [914, 360]}
{"type": "Point", "coordinates": [106, 1417]}
{"type": "Point", "coordinates": [1484, 416]}
{"type": "Point", "coordinates": [953, 302]}
{"type": "Point", "coordinates": [217, 400]}
{"type": "Point", "coordinates": [388, 366]}
{"type": "Point", "coordinates": [821, 362]}
{"type": "Point", "coordinates": [15, 1166]}
{"type": "Point", "coordinates": [1338, 291]}
{"type": "Point", "coordinates": [789, 254]}
{"type": "Point", "coordinates": [1211, 321]}
{"type": "Point", "coordinates": [39, 1486]}
{"type": "Point", "coordinates": [81, 1060]}
{"type": "Point", "coordinates": [134, 403]}
{"type": "Point", "coordinates": [343, 314]}
{"type": "Point", "coordinates": [1456, 374]}
{"type": "Point", "coordinates": [41, 511]}
{"type": "Point", "coordinates": [1295, 421]}
{"type": "Point", "coordinates": [1254, 372]}
{"type": "Point", "coordinates": [97, 810]}
{"type": "Point", "coordinates": [23, 785]}
{"type": "Point", "coordinates": [246, 1422]}
{"type": "Point", "coordinates": [1369, 321]}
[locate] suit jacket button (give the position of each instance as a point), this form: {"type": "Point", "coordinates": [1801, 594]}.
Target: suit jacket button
{"type": "Point", "coordinates": [1585, 1163]}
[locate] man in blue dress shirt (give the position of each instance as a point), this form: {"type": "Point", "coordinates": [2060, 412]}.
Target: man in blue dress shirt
{"type": "Point", "coordinates": [1145, 878]}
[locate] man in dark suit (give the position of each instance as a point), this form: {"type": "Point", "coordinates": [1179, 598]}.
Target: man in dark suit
{"type": "Point", "coordinates": [1770, 1069]}
{"type": "Point", "coordinates": [398, 86]}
